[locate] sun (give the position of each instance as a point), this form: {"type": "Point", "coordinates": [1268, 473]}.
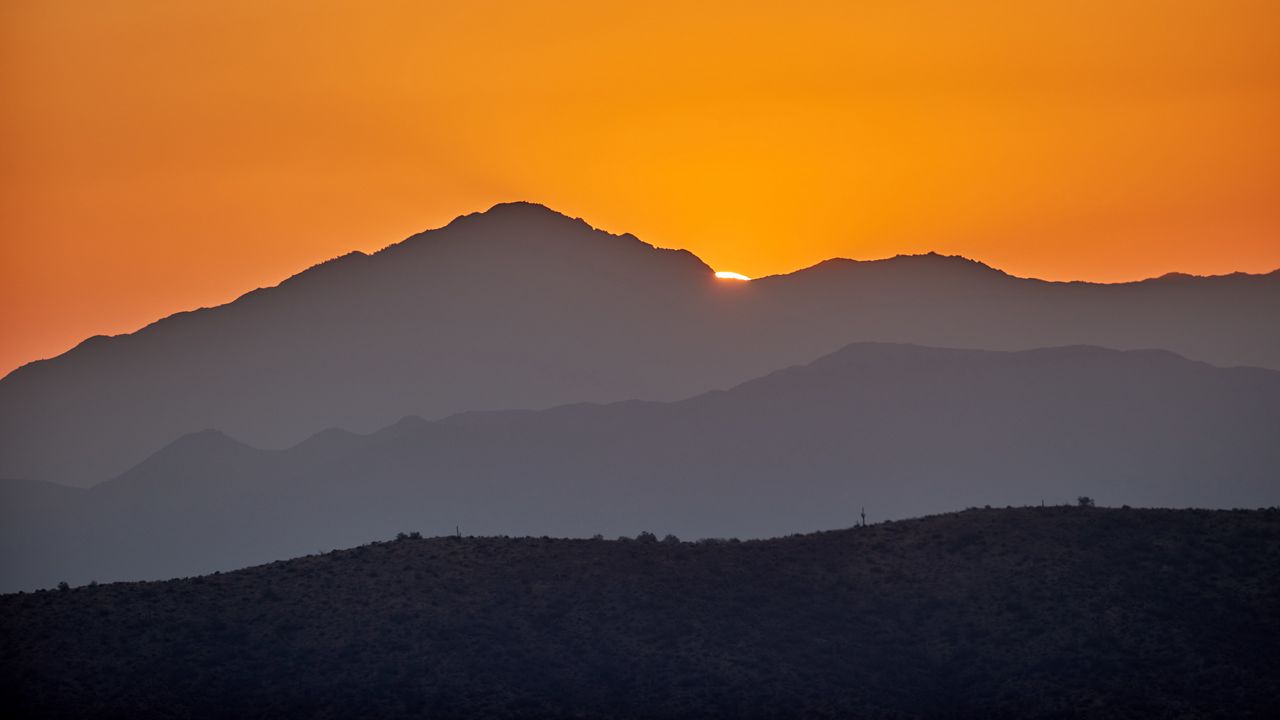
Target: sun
{"type": "Point", "coordinates": [725, 275]}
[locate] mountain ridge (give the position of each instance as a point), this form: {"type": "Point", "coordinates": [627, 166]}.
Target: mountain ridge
{"type": "Point", "coordinates": [412, 243]}
{"type": "Point", "coordinates": [354, 256]}
{"type": "Point", "coordinates": [900, 430]}
{"type": "Point", "coordinates": [213, 438]}
{"type": "Point", "coordinates": [523, 307]}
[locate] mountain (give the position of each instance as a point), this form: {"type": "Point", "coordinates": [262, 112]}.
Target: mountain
{"type": "Point", "coordinates": [900, 430]}
{"type": "Point", "coordinates": [521, 307]}
{"type": "Point", "coordinates": [1056, 612]}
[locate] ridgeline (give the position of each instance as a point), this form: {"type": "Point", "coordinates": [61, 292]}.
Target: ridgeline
{"type": "Point", "coordinates": [1030, 613]}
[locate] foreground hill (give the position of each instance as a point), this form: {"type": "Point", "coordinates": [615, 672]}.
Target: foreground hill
{"type": "Point", "coordinates": [901, 430]}
{"type": "Point", "coordinates": [520, 307]}
{"type": "Point", "coordinates": [1031, 613]}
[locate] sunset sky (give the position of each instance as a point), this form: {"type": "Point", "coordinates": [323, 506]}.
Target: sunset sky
{"type": "Point", "coordinates": [157, 155]}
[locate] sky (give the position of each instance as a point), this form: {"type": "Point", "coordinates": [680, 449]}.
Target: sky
{"type": "Point", "coordinates": [157, 156]}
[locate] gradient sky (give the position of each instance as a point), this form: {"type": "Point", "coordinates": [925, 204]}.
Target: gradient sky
{"type": "Point", "coordinates": [160, 155]}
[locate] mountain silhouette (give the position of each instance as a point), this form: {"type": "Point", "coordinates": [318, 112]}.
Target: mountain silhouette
{"type": "Point", "coordinates": [521, 307]}
{"type": "Point", "coordinates": [900, 430]}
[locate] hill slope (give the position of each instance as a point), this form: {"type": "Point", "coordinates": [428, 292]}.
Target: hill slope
{"type": "Point", "coordinates": [901, 430]}
{"type": "Point", "coordinates": [1028, 613]}
{"type": "Point", "coordinates": [520, 307]}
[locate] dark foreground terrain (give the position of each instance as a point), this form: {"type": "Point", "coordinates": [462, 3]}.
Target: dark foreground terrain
{"type": "Point", "coordinates": [1033, 612]}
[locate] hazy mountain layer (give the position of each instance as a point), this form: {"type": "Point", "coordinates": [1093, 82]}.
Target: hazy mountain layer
{"type": "Point", "coordinates": [901, 430]}
{"type": "Point", "coordinates": [520, 307]}
{"type": "Point", "coordinates": [1029, 613]}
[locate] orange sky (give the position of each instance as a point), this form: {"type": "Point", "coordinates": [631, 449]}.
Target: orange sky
{"type": "Point", "coordinates": [157, 155]}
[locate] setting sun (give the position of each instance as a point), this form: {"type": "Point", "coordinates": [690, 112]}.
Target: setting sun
{"type": "Point", "coordinates": [726, 275]}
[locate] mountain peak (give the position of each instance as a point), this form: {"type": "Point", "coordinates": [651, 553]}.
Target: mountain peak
{"type": "Point", "coordinates": [521, 213]}
{"type": "Point", "coordinates": [521, 206]}
{"type": "Point", "coordinates": [941, 260]}
{"type": "Point", "coordinates": [547, 237]}
{"type": "Point", "coordinates": [208, 440]}
{"type": "Point", "coordinates": [930, 261]}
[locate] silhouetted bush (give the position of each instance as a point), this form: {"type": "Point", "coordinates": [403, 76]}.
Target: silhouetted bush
{"type": "Point", "coordinates": [647, 537]}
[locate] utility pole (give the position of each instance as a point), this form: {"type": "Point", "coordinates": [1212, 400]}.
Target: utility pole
{"type": "Point", "coordinates": [864, 516]}
{"type": "Point", "coordinates": [457, 529]}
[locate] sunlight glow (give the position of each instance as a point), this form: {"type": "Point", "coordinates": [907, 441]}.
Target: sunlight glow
{"type": "Point", "coordinates": [724, 275]}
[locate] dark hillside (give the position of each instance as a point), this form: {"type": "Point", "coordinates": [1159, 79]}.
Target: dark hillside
{"type": "Point", "coordinates": [1034, 612]}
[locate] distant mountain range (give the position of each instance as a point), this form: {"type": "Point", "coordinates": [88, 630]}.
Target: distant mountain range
{"type": "Point", "coordinates": [521, 307]}
{"type": "Point", "coordinates": [900, 430]}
